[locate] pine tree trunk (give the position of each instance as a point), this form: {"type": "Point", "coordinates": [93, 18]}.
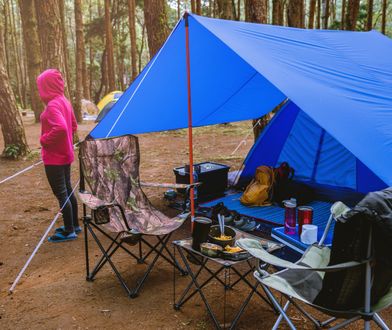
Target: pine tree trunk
{"type": "Point", "coordinates": [352, 14]}
{"type": "Point", "coordinates": [256, 11]}
{"type": "Point", "coordinates": [156, 23]}
{"type": "Point", "coordinates": [198, 7]}
{"type": "Point", "coordinates": [318, 19]}
{"type": "Point", "coordinates": [312, 8]}
{"type": "Point", "coordinates": [32, 45]}
{"type": "Point", "coordinates": [17, 57]}
{"type": "Point", "coordinates": [193, 6]}
{"type": "Point", "coordinates": [109, 47]}
{"type": "Point", "coordinates": [15, 143]}
{"type": "Point", "coordinates": [384, 16]}
{"type": "Point", "coordinates": [295, 13]}
{"type": "Point", "coordinates": [225, 9]}
{"type": "Point", "coordinates": [5, 35]}
{"type": "Point", "coordinates": [80, 60]}
{"type": "Point", "coordinates": [369, 20]}
{"type": "Point", "coordinates": [141, 49]}
{"type": "Point", "coordinates": [65, 50]}
{"type": "Point", "coordinates": [277, 12]}
{"type": "Point", "coordinates": [91, 55]}
{"type": "Point", "coordinates": [51, 37]}
{"type": "Point", "coordinates": [132, 35]}
{"type": "Point", "coordinates": [325, 13]}
{"type": "Point", "coordinates": [343, 17]}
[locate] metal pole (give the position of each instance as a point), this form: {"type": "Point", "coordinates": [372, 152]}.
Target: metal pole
{"type": "Point", "coordinates": [190, 135]}
{"type": "Point", "coordinates": [368, 284]}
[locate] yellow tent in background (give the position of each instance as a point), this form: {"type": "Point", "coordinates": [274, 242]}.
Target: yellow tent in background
{"type": "Point", "coordinates": [112, 96]}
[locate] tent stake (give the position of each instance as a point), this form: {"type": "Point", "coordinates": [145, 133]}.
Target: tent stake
{"type": "Point", "coordinates": [190, 135]}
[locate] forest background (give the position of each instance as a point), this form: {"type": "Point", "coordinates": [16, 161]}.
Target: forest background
{"type": "Point", "coordinates": [102, 45]}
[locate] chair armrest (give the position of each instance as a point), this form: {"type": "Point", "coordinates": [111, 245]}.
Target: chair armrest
{"type": "Point", "coordinates": [256, 249]}
{"type": "Point", "coordinates": [169, 185]}
{"type": "Point", "coordinates": [92, 201]}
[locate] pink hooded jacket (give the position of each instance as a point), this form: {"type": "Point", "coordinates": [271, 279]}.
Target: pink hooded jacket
{"type": "Point", "coordinates": [57, 121]}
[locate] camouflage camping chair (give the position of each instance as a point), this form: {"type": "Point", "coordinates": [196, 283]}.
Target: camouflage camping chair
{"type": "Point", "coordinates": [309, 280]}
{"type": "Point", "coordinates": [120, 211]}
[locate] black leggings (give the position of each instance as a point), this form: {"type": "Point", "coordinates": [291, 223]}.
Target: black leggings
{"type": "Point", "coordinates": [59, 177]}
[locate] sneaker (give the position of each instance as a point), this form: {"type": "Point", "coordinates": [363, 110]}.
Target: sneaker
{"type": "Point", "coordinates": [78, 229]}
{"type": "Point", "coordinates": [249, 225]}
{"type": "Point", "coordinates": [62, 236]}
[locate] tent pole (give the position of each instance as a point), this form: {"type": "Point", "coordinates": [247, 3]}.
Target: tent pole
{"type": "Point", "coordinates": [190, 135]}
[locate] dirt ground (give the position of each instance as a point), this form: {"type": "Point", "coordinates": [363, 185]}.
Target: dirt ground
{"type": "Point", "coordinates": [53, 293]}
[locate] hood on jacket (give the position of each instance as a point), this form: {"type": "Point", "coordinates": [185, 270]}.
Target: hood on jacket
{"type": "Point", "coordinates": [50, 84]}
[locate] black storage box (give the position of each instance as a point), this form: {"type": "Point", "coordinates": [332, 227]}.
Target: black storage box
{"type": "Point", "coordinates": [212, 175]}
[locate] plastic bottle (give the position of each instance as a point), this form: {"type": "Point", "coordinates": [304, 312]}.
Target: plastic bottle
{"type": "Point", "coordinates": [290, 216]}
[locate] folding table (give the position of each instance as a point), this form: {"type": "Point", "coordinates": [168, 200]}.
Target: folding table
{"type": "Point", "coordinates": [227, 267]}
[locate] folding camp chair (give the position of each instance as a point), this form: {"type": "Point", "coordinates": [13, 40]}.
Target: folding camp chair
{"type": "Point", "coordinates": [303, 281]}
{"type": "Point", "coordinates": [120, 211]}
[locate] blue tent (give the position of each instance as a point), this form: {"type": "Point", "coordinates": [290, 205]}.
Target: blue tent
{"type": "Point", "coordinates": [336, 128]}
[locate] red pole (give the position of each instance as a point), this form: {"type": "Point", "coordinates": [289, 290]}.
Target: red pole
{"type": "Point", "coordinates": [190, 139]}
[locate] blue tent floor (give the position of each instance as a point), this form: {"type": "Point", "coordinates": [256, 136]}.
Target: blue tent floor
{"type": "Point", "coordinates": [275, 215]}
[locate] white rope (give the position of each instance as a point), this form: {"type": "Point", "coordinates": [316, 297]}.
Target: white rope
{"type": "Point", "coordinates": [20, 172]}
{"type": "Point", "coordinates": [243, 141]}
{"type": "Point", "coordinates": [28, 168]}
{"type": "Point", "coordinates": [41, 242]}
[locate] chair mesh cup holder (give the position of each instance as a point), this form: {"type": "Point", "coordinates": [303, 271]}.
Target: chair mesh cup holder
{"type": "Point", "coordinates": [101, 215]}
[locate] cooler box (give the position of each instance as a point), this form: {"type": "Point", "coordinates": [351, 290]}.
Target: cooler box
{"type": "Point", "coordinates": [212, 175]}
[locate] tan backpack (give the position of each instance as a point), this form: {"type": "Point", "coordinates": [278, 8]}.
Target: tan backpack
{"type": "Point", "coordinates": [259, 191]}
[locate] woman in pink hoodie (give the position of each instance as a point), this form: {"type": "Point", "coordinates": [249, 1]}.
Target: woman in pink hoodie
{"type": "Point", "coordinates": [57, 127]}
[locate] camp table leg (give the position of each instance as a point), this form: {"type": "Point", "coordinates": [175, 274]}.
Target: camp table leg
{"type": "Point", "coordinates": [243, 306]}
{"type": "Point", "coordinates": [242, 277]}
{"type": "Point", "coordinates": [214, 275]}
{"type": "Point", "coordinates": [199, 289]}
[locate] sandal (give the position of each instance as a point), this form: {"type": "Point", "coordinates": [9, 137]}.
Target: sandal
{"type": "Point", "coordinates": [62, 236]}
{"type": "Point", "coordinates": [78, 229]}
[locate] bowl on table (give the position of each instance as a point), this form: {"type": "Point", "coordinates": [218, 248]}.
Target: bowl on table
{"type": "Point", "coordinates": [215, 236]}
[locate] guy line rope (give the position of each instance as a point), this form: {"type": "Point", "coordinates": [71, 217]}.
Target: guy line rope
{"type": "Point", "coordinates": [11, 290]}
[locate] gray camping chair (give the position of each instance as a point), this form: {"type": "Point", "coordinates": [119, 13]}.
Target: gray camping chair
{"type": "Point", "coordinates": [121, 211]}
{"type": "Point", "coordinates": [303, 281]}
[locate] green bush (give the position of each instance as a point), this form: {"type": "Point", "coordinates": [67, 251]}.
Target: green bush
{"type": "Point", "coordinates": [12, 151]}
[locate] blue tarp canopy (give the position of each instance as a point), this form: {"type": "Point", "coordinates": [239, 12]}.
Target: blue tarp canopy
{"type": "Point", "coordinates": [339, 81]}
